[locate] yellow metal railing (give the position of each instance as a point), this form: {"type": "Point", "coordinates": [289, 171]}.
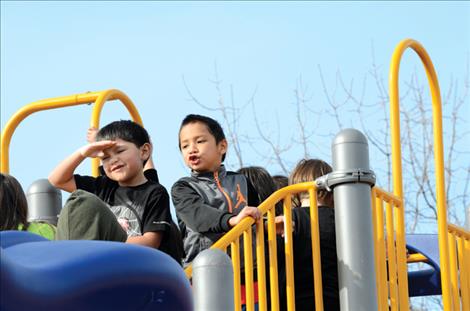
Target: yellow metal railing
{"type": "Point", "coordinates": [99, 98]}
{"type": "Point", "coordinates": [231, 239]}
{"type": "Point", "coordinates": [448, 235]}
{"type": "Point", "coordinates": [459, 265]}
{"type": "Point", "coordinates": [391, 294]}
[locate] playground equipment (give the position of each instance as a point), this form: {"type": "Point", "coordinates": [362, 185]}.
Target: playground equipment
{"type": "Point", "coordinates": [385, 233]}
{"type": "Point", "coordinates": [389, 230]}
{"type": "Point", "coordinates": [97, 98]}
{"type": "Point", "coordinates": [88, 275]}
{"type": "Point", "coordinates": [44, 202]}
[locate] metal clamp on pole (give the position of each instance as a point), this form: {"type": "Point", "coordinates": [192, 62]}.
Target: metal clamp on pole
{"type": "Point", "coordinates": [358, 175]}
{"type": "Point", "coordinates": [351, 181]}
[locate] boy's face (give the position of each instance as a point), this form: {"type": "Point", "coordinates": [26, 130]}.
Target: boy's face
{"type": "Point", "coordinates": [200, 151]}
{"type": "Point", "coordinates": [123, 162]}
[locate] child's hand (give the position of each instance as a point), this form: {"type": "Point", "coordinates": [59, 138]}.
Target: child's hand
{"type": "Point", "coordinates": [279, 222]}
{"type": "Point", "coordinates": [91, 134]}
{"type": "Point", "coordinates": [95, 149]}
{"type": "Point", "coordinates": [247, 211]}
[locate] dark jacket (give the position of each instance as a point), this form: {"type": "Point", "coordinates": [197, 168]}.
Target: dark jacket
{"type": "Point", "coordinates": [204, 203]}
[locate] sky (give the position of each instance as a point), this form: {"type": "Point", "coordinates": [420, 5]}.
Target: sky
{"type": "Point", "coordinates": [149, 50]}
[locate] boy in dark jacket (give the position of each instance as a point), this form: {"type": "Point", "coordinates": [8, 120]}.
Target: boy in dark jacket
{"type": "Point", "coordinates": [211, 201]}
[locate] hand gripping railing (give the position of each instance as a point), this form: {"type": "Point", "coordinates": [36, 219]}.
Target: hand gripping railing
{"type": "Point", "coordinates": [232, 238]}
{"type": "Point", "coordinates": [99, 98]}
{"type": "Point", "coordinates": [438, 161]}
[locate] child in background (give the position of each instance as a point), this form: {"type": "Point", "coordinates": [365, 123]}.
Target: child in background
{"type": "Point", "coordinates": [14, 210]}
{"type": "Point", "coordinates": [122, 205]}
{"type": "Point", "coordinates": [309, 170]}
{"type": "Point", "coordinates": [280, 181]}
{"type": "Point", "coordinates": [262, 182]}
{"type": "Point", "coordinates": [265, 186]}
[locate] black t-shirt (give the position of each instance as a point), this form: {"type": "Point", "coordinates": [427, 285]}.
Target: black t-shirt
{"type": "Point", "coordinates": [139, 209]}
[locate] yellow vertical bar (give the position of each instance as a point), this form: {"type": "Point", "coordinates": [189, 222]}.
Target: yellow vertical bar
{"type": "Point", "coordinates": [392, 269]}
{"type": "Point", "coordinates": [260, 260]}
{"type": "Point", "coordinates": [248, 252]}
{"type": "Point", "coordinates": [272, 245]}
{"type": "Point", "coordinates": [463, 265]}
{"type": "Point", "coordinates": [316, 256]}
{"type": "Point", "coordinates": [454, 282]}
{"type": "Point", "coordinates": [382, 254]}
{"type": "Point", "coordinates": [467, 267]}
{"type": "Point", "coordinates": [235, 253]}
{"type": "Point", "coordinates": [402, 265]}
{"type": "Point", "coordinates": [380, 264]}
{"type": "Point", "coordinates": [289, 252]}
{"type": "Point", "coordinates": [376, 246]}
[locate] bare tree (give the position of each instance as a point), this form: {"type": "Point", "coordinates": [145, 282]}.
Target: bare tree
{"type": "Point", "coordinates": [230, 113]}
{"type": "Point", "coordinates": [346, 103]}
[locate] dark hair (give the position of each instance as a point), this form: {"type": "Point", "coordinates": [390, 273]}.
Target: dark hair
{"type": "Point", "coordinates": [262, 182]}
{"type": "Point", "coordinates": [13, 204]}
{"type": "Point", "coordinates": [280, 181]}
{"type": "Point", "coordinates": [309, 170]}
{"type": "Point", "coordinates": [126, 130]}
{"type": "Point", "coordinates": [212, 126]}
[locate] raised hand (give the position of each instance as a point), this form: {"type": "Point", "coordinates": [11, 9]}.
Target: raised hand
{"type": "Point", "coordinates": [95, 149]}
{"type": "Point", "coordinates": [91, 134]}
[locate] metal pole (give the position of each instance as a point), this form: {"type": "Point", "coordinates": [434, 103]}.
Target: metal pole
{"type": "Point", "coordinates": [213, 281]}
{"type": "Point", "coordinates": [352, 181]}
{"type": "Point", "coordinates": [44, 202]}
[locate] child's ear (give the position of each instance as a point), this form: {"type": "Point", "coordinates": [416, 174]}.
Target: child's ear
{"type": "Point", "coordinates": [145, 151]}
{"type": "Point", "coordinates": [223, 145]}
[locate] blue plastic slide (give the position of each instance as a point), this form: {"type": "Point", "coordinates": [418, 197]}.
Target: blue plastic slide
{"type": "Point", "coordinates": [428, 281]}
{"type": "Point", "coordinates": [37, 274]}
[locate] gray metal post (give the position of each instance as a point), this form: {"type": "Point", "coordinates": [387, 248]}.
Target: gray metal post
{"type": "Point", "coordinates": [213, 281]}
{"type": "Point", "coordinates": [352, 181]}
{"type": "Point", "coordinates": [44, 202]}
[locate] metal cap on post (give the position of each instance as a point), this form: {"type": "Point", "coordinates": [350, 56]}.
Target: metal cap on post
{"type": "Point", "coordinates": [44, 202]}
{"type": "Point", "coordinates": [213, 281]}
{"type": "Point", "coordinates": [351, 180]}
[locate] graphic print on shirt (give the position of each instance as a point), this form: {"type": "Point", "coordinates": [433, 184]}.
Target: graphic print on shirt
{"type": "Point", "coordinates": [128, 219]}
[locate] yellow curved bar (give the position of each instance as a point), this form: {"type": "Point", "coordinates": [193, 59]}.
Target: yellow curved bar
{"type": "Point", "coordinates": [99, 98]}
{"type": "Point", "coordinates": [263, 207]}
{"type": "Point", "coordinates": [438, 159]}
{"type": "Point", "coordinates": [45, 104]}
{"type": "Point", "coordinates": [104, 96]}
{"type": "Point", "coordinates": [234, 234]}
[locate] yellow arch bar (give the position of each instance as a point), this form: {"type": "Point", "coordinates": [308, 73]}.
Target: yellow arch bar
{"type": "Point", "coordinates": [438, 157]}
{"type": "Point", "coordinates": [99, 98]}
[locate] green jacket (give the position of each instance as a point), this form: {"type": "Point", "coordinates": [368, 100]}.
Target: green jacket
{"type": "Point", "coordinates": [40, 228]}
